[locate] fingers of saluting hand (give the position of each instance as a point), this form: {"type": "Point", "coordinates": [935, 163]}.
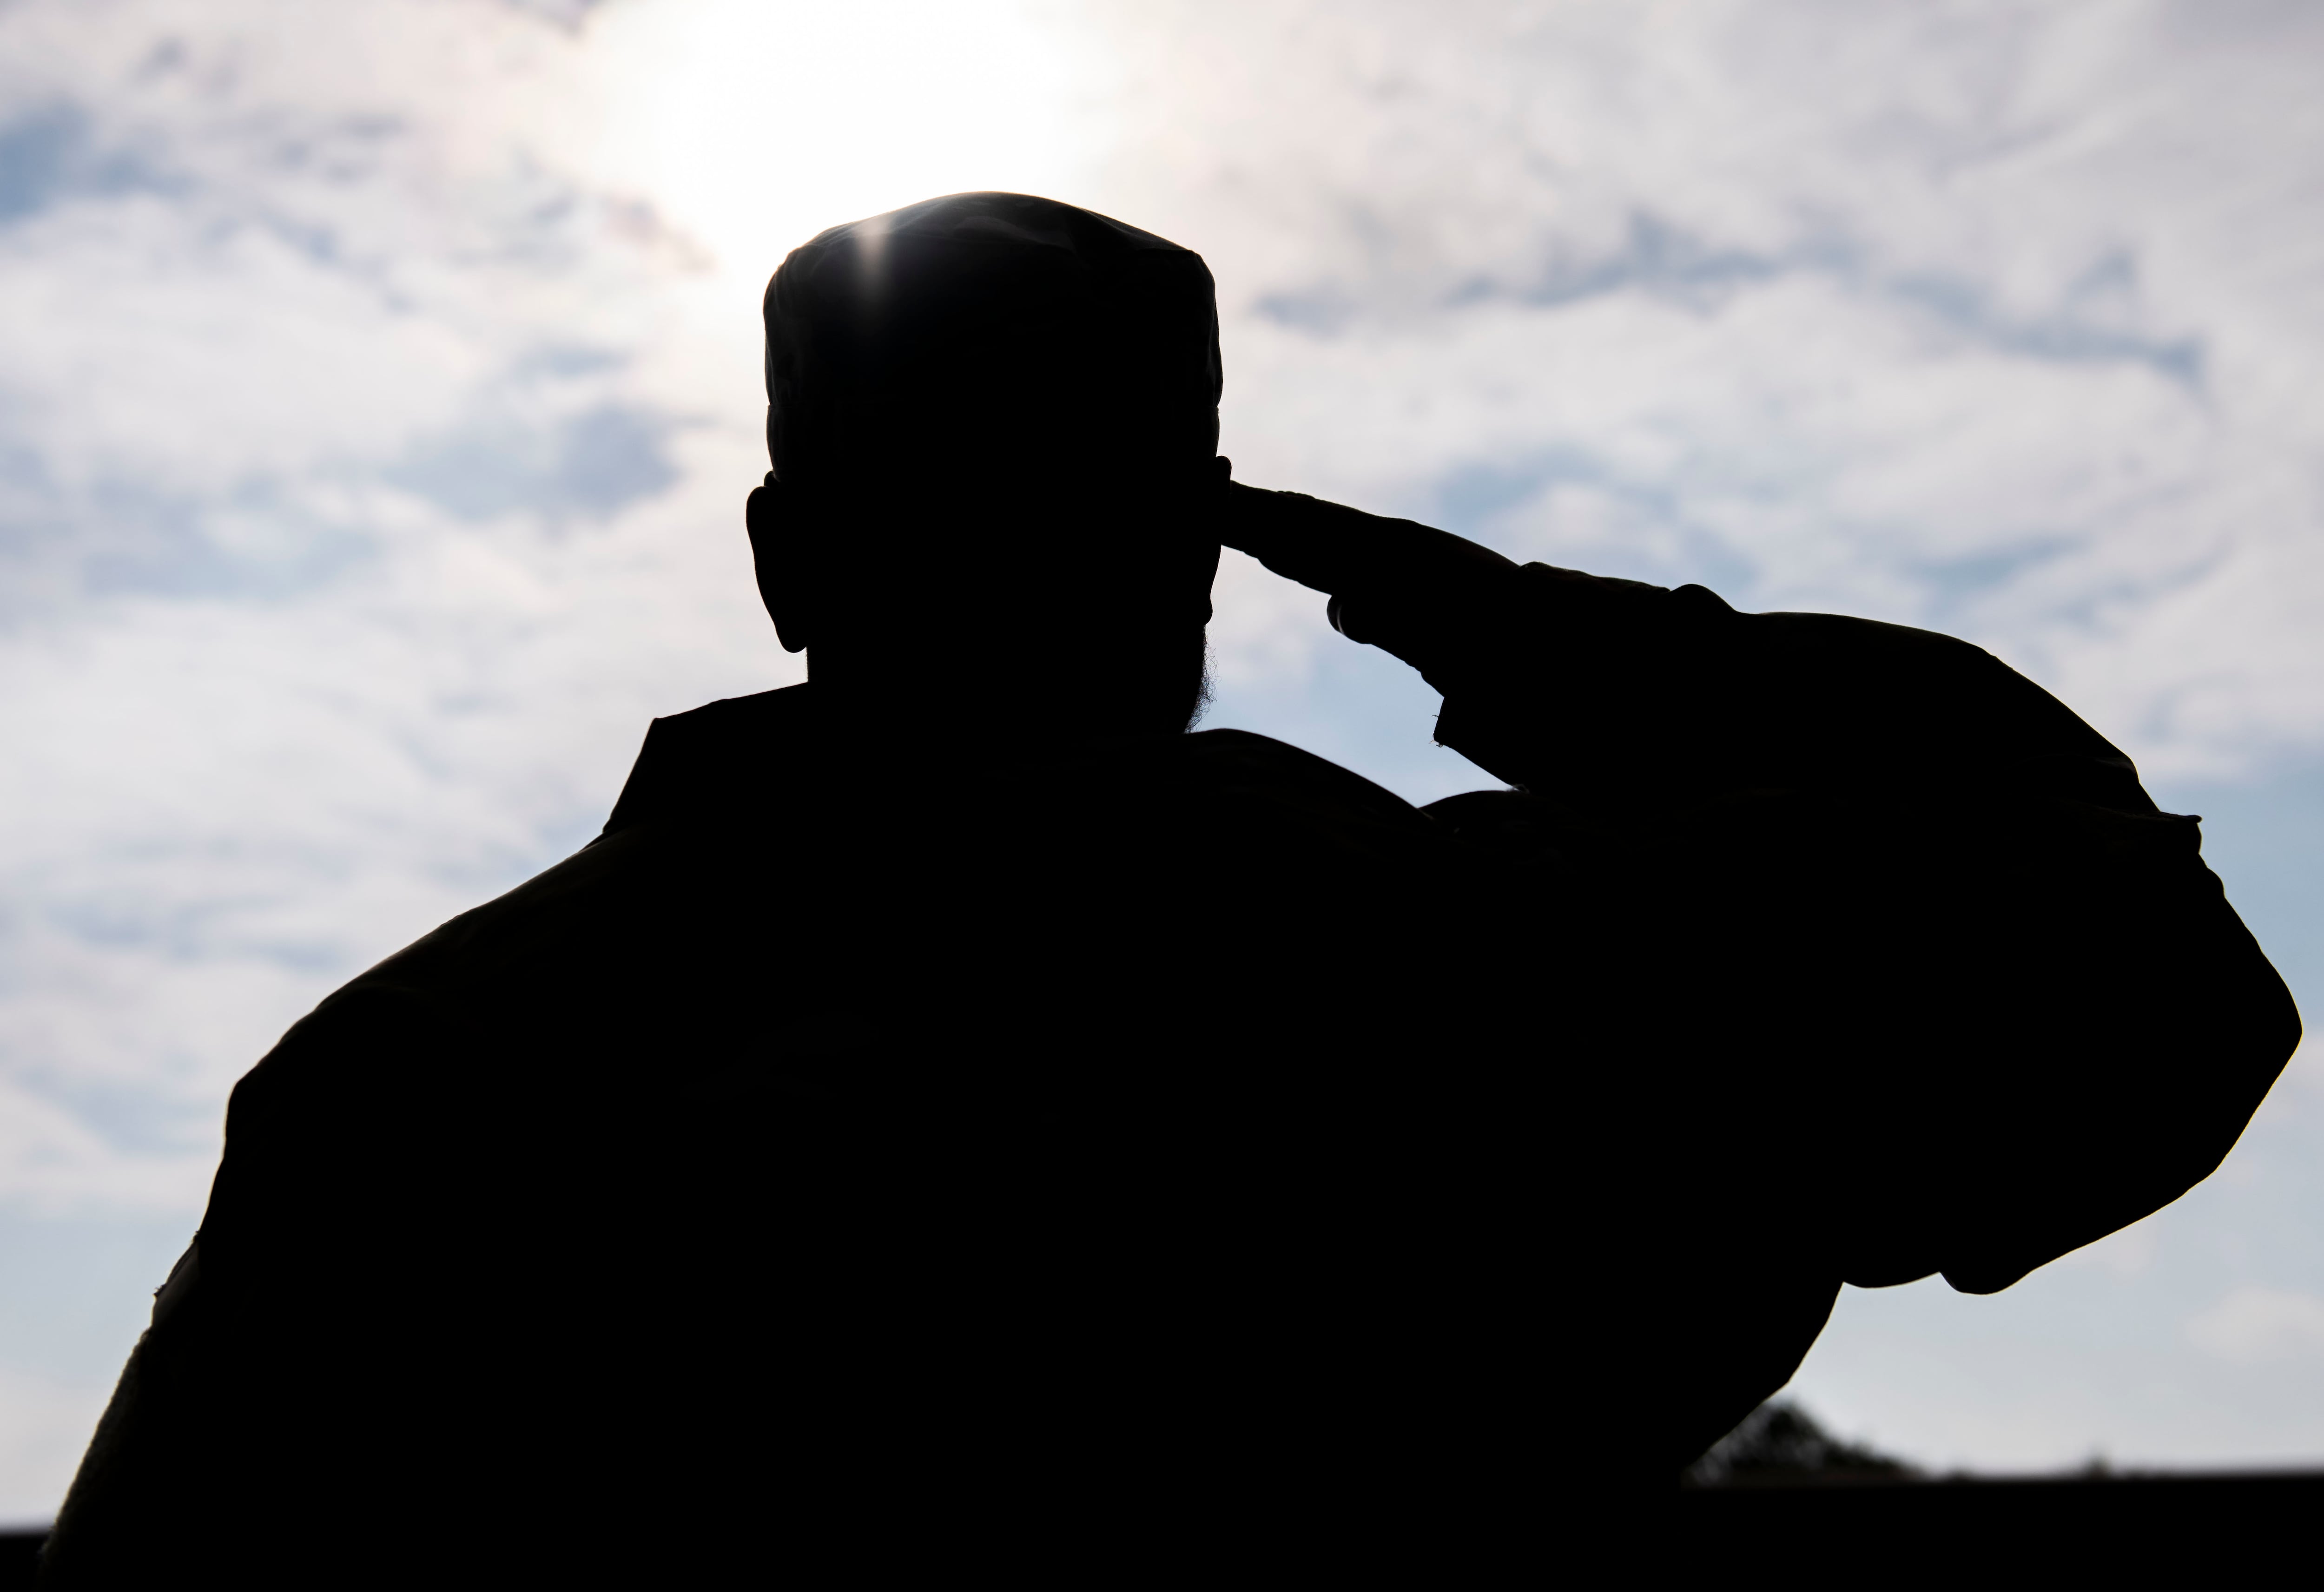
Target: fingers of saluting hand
{"type": "Point", "coordinates": [1298, 538]}
{"type": "Point", "coordinates": [1345, 551]}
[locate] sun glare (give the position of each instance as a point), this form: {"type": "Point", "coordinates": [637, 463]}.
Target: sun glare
{"type": "Point", "coordinates": [752, 126]}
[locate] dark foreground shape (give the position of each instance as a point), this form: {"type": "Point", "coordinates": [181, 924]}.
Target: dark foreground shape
{"type": "Point", "coordinates": [954, 1119]}
{"type": "Point", "coordinates": [2227, 1527]}
{"type": "Point", "coordinates": [20, 1554]}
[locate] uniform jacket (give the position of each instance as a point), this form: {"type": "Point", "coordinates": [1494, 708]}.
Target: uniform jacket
{"type": "Point", "coordinates": [867, 1152]}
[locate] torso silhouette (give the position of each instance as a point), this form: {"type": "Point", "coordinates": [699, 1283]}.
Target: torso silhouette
{"type": "Point", "coordinates": [852, 1158]}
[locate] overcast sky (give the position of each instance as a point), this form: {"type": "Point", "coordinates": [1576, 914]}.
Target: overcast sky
{"type": "Point", "coordinates": [379, 389]}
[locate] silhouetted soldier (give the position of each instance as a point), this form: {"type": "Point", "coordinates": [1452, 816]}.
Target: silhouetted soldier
{"type": "Point", "coordinates": [954, 1118]}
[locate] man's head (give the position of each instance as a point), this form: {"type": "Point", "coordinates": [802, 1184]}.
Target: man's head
{"type": "Point", "coordinates": [993, 422]}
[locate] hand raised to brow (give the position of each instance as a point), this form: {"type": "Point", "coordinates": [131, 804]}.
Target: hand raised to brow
{"type": "Point", "coordinates": [1392, 577]}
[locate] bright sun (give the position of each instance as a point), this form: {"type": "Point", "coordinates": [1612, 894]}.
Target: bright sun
{"type": "Point", "coordinates": [752, 125]}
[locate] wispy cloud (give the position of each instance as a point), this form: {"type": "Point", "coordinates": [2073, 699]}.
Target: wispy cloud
{"type": "Point", "coordinates": [2260, 1326]}
{"type": "Point", "coordinates": [1987, 321]}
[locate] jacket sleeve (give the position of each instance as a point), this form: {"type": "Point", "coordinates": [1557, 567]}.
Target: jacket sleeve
{"type": "Point", "coordinates": [1896, 902]}
{"type": "Point", "coordinates": [244, 1437]}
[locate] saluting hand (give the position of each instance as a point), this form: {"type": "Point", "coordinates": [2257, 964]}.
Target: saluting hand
{"type": "Point", "coordinates": [1394, 583]}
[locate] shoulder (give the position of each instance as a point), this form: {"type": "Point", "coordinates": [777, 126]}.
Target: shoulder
{"type": "Point", "coordinates": [696, 825]}
{"type": "Point", "coordinates": [700, 759]}
{"type": "Point", "coordinates": [1237, 757]}
{"type": "Point", "coordinates": [1250, 816]}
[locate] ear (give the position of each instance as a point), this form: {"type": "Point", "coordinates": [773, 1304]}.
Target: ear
{"type": "Point", "coordinates": [782, 551]}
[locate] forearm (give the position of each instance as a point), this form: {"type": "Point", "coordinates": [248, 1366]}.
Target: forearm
{"type": "Point", "coordinates": [1919, 904]}
{"type": "Point", "coordinates": [1621, 699]}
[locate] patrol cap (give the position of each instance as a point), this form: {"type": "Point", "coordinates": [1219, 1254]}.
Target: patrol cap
{"type": "Point", "coordinates": [985, 321]}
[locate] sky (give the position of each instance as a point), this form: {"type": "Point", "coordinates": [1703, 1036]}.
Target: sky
{"type": "Point", "coordinates": [381, 388]}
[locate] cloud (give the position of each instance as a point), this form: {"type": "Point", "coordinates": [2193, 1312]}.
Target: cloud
{"type": "Point", "coordinates": [1986, 321]}
{"type": "Point", "coordinates": [2261, 1325]}
{"type": "Point", "coordinates": [49, 154]}
{"type": "Point", "coordinates": [595, 463]}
